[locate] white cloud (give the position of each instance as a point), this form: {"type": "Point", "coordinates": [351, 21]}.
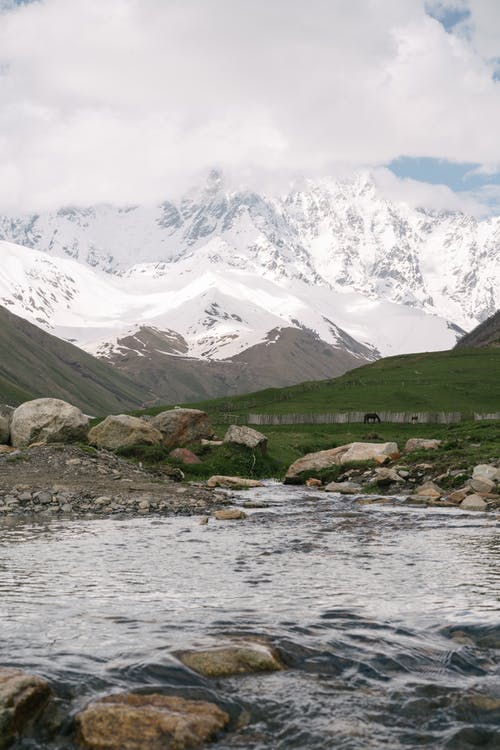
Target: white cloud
{"type": "Point", "coordinates": [129, 100]}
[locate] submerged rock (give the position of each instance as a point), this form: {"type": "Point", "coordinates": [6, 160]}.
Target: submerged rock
{"type": "Point", "coordinates": [180, 427]}
{"type": "Point", "coordinates": [123, 431]}
{"type": "Point", "coordinates": [157, 722]}
{"type": "Point", "coordinates": [47, 420]}
{"type": "Point", "coordinates": [22, 698]}
{"type": "Point", "coordinates": [247, 436]}
{"type": "Point", "coordinates": [230, 514]}
{"type": "Point", "coordinates": [226, 661]}
{"type": "Point", "coordinates": [343, 488]}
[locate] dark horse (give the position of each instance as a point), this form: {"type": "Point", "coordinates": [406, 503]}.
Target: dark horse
{"type": "Point", "coordinates": [371, 416]}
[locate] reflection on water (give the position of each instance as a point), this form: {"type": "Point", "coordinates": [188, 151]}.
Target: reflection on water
{"type": "Point", "coordinates": [387, 617]}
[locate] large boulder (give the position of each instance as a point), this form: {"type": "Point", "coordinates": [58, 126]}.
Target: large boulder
{"type": "Point", "coordinates": [122, 431]}
{"type": "Point", "coordinates": [22, 698]}
{"type": "Point", "coordinates": [242, 435]}
{"type": "Point", "coordinates": [47, 420]}
{"type": "Point", "coordinates": [378, 452]}
{"type": "Point", "coordinates": [183, 426]}
{"type": "Point", "coordinates": [422, 444]}
{"type": "Point", "coordinates": [6, 413]}
{"type": "Point", "coordinates": [131, 721]}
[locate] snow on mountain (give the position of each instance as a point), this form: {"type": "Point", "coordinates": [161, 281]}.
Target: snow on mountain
{"type": "Point", "coordinates": [343, 236]}
{"type": "Point", "coordinates": [212, 307]}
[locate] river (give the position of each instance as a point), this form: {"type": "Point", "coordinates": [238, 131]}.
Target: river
{"type": "Point", "coordinates": [387, 617]}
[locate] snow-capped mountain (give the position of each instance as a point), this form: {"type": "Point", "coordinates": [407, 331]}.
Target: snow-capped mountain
{"type": "Point", "coordinates": [219, 273]}
{"type": "Point", "coordinates": [342, 236]}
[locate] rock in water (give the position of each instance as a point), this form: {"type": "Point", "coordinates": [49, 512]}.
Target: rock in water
{"type": "Point", "coordinates": [473, 502]}
{"type": "Point", "coordinates": [122, 431]}
{"type": "Point", "coordinates": [343, 488]}
{"type": "Point", "coordinates": [47, 420]}
{"type": "Point", "coordinates": [230, 514]}
{"type": "Point", "coordinates": [182, 426]}
{"type": "Point", "coordinates": [242, 435]}
{"type": "Point", "coordinates": [156, 722]}
{"type": "Point", "coordinates": [224, 661]}
{"type": "Point", "coordinates": [232, 483]}
{"type": "Point", "coordinates": [22, 697]}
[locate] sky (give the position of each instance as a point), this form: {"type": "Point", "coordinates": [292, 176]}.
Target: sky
{"type": "Point", "coordinates": [135, 101]}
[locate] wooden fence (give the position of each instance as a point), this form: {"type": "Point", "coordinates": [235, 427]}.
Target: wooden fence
{"type": "Point", "coordinates": [422, 417]}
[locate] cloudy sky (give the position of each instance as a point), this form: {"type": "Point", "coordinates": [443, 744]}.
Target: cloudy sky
{"type": "Point", "coordinates": [134, 100]}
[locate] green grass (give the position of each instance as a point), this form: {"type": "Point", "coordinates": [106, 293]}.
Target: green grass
{"type": "Point", "coordinates": [466, 381]}
{"type": "Point", "coordinates": [462, 380]}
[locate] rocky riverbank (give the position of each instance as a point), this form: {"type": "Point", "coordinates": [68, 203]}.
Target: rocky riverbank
{"type": "Point", "coordinates": [58, 479]}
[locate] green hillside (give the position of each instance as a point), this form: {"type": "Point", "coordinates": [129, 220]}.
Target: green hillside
{"type": "Point", "coordinates": [35, 364]}
{"type": "Point", "coordinates": [463, 380]}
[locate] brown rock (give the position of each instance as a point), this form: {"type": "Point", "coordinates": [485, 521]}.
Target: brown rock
{"type": "Point", "coordinates": [457, 496]}
{"type": "Point", "coordinates": [185, 455]}
{"type": "Point", "coordinates": [313, 482]}
{"type": "Point", "coordinates": [234, 483]}
{"type": "Point", "coordinates": [384, 476]}
{"type": "Point", "coordinates": [155, 722]}
{"type": "Point", "coordinates": [22, 697]}
{"type": "Point", "coordinates": [180, 427]}
{"type": "Point", "coordinates": [123, 431]}
{"type": "Point", "coordinates": [6, 449]}
{"type": "Point", "coordinates": [429, 489]}
{"type": "Point", "coordinates": [224, 661]}
{"type": "Point", "coordinates": [230, 514]}
{"type": "Point", "coordinates": [343, 488]}
{"type": "Point", "coordinates": [379, 452]}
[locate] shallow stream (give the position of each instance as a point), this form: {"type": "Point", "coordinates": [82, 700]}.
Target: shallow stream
{"type": "Point", "coordinates": [387, 617]}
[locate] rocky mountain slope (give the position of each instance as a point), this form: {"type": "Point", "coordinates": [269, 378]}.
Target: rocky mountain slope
{"type": "Point", "coordinates": [210, 278]}
{"type": "Point", "coordinates": [33, 363]}
{"type": "Point", "coordinates": [486, 333]}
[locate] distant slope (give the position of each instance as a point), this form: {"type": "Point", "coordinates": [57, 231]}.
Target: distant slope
{"type": "Point", "coordinates": [465, 380]}
{"type": "Point", "coordinates": [157, 360]}
{"type": "Point", "coordinates": [486, 333]}
{"type": "Point", "coordinates": [34, 364]}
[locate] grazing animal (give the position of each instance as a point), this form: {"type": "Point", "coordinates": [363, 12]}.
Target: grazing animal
{"type": "Point", "coordinates": [414, 418]}
{"type": "Point", "coordinates": [371, 416]}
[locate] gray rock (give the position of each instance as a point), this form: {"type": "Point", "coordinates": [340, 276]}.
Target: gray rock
{"type": "Point", "coordinates": [183, 426]}
{"type": "Point", "coordinates": [482, 484]}
{"type": "Point", "coordinates": [486, 471]}
{"type": "Point", "coordinates": [242, 435]}
{"type": "Point", "coordinates": [473, 502]}
{"type": "Point", "coordinates": [47, 420]}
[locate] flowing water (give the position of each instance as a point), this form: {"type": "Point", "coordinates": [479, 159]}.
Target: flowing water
{"type": "Point", "coordinates": [387, 617]}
